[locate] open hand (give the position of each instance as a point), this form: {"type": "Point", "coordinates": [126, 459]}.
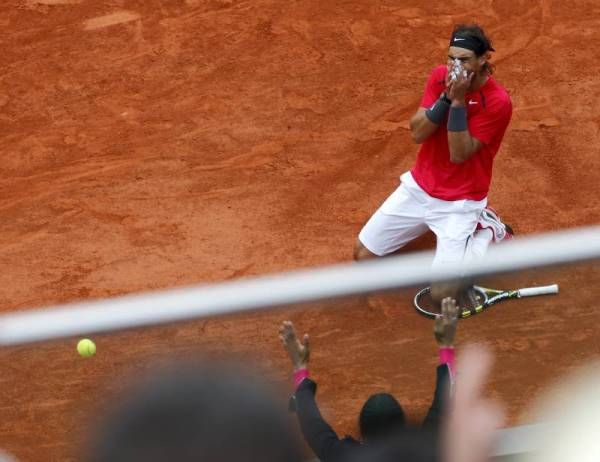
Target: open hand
{"type": "Point", "coordinates": [444, 326]}
{"type": "Point", "coordinates": [299, 352]}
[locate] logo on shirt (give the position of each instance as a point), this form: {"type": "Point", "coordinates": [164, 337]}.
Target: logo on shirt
{"type": "Point", "coordinates": [473, 102]}
{"type": "Point", "coordinates": [458, 39]}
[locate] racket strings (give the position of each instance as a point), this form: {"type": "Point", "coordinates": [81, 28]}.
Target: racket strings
{"type": "Point", "coordinates": [470, 299]}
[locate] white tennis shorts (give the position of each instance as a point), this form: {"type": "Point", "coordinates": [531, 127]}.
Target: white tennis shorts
{"type": "Point", "coordinates": [409, 212]}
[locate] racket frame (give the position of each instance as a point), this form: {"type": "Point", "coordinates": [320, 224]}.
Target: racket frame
{"type": "Point", "coordinates": [488, 298]}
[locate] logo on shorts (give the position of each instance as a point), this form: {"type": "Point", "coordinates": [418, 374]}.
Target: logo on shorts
{"type": "Point", "coordinates": [456, 39]}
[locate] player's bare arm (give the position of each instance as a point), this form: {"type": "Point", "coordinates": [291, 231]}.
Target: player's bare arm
{"type": "Point", "coordinates": [426, 121]}
{"type": "Point", "coordinates": [460, 143]}
{"type": "Point", "coordinates": [421, 127]}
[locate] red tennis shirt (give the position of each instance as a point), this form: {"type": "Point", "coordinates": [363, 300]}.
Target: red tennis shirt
{"type": "Point", "coordinates": [488, 112]}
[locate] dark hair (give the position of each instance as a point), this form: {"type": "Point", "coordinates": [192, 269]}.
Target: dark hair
{"type": "Point", "coordinates": [381, 416]}
{"type": "Point", "coordinates": [476, 32]}
{"type": "Point", "coordinates": [192, 412]}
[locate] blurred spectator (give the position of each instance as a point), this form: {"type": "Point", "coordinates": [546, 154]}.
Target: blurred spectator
{"type": "Point", "coordinates": [567, 414]}
{"type": "Point", "coordinates": [469, 431]}
{"type": "Point", "coordinates": [6, 457]}
{"type": "Point", "coordinates": [382, 418]}
{"type": "Point", "coordinates": [190, 412]}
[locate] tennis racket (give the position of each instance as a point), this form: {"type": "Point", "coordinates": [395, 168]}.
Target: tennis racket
{"type": "Point", "coordinates": [477, 299]}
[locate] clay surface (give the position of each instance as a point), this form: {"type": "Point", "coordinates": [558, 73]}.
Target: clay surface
{"type": "Point", "coordinates": [154, 144]}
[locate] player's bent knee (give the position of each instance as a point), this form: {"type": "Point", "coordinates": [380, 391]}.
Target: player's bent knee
{"type": "Point", "coordinates": [361, 252]}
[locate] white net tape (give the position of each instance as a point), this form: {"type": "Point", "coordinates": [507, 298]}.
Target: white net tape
{"type": "Point", "coordinates": [278, 290]}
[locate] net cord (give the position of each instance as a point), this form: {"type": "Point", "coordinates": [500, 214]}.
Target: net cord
{"type": "Point", "coordinates": [279, 290]}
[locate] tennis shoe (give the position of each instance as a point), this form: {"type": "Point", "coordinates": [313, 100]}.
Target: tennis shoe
{"type": "Point", "coordinates": [489, 219]}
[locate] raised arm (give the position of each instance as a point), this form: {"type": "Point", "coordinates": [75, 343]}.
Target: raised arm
{"type": "Point", "coordinates": [319, 435]}
{"type": "Point", "coordinates": [444, 330]}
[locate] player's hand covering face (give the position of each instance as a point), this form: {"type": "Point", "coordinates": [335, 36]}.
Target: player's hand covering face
{"type": "Point", "coordinates": [462, 68]}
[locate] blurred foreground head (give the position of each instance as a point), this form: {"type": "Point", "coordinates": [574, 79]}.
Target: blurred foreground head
{"type": "Point", "coordinates": [196, 412]}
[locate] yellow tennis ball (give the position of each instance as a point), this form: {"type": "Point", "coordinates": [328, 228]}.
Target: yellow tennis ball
{"type": "Point", "coordinates": [86, 348]}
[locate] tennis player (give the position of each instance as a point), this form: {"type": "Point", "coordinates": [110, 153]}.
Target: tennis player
{"type": "Point", "coordinates": [463, 116]}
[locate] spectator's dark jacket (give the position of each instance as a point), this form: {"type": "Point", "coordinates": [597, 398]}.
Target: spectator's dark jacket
{"type": "Point", "coordinates": [322, 438]}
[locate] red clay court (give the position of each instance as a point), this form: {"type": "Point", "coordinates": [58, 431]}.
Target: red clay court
{"type": "Point", "coordinates": [154, 144]}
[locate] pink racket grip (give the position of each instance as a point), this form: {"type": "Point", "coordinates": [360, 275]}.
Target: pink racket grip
{"type": "Point", "coordinates": [542, 290]}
